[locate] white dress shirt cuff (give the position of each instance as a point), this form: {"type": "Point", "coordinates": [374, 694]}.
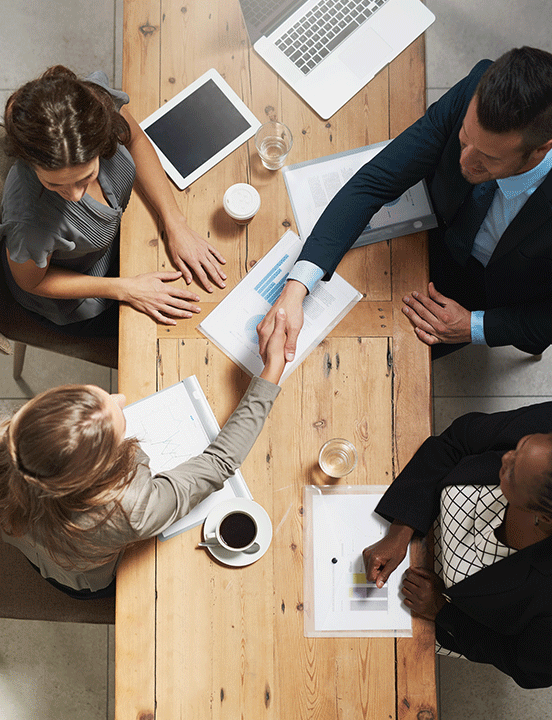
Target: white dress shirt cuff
{"type": "Point", "coordinates": [477, 330]}
{"type": "Point", "coordinates": [307, 273]}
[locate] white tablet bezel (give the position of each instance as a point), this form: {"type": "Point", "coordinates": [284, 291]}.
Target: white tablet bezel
{"type": "Point", "coordinates": [179, 180]}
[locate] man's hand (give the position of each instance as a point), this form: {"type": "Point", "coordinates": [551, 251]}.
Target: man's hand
{"type": "Point", "coordinates": [381, 558]}
{"type": "Point", "coordinates": [437, 319]}
{"type": "Point", "coordinates": [189, 251]}
{"type": "Point", "coordinates": [423, 592]}
{"type": "Point", "coordinates": [291, 301]}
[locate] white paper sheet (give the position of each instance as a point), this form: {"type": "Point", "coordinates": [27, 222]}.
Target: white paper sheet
{"type": "Point", "coordinates": [312, 184]}
{"type": "Point", "coordinates": [172, 426]}
{"type": "Point", "coordinates": [343, 602]}
{"type": "Point", "coordinates": [232, 324]}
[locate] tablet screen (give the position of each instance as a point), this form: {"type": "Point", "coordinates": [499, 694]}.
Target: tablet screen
{"type": "Point", "coordinates": [201, 125]}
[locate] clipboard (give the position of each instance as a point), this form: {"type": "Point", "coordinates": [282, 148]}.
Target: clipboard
{"type": "Point", "coordinates": [312, 184]}
{"type": "Point", "coordinates": [172, 426]}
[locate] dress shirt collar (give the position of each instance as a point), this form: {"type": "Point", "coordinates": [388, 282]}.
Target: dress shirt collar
{"type": "Point", "coordinates": [527, 181]}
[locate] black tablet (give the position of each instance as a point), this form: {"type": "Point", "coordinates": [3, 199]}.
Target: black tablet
{"type": "Point", "coordinates": [198, 128]}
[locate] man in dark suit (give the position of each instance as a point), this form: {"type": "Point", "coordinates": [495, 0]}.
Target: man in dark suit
{"type": "Point", "coordinates": [495, 606]}
{"type": "Point", "coordinates": [485, 150]}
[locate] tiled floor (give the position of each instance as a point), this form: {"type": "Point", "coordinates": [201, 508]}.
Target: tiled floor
{"type": "Point", "coordinates": [65, 671]}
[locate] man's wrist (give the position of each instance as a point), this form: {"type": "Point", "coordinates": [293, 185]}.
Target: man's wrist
{"type": "Point", "coordinates": [477, 327]}
{"type": "Point", "coordinates": [307, 273]}
{"type": "Point", "coordinates": [295, 289]}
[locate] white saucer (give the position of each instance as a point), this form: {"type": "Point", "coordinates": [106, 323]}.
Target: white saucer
{"type": "Point", "coordinates": [264, 531]}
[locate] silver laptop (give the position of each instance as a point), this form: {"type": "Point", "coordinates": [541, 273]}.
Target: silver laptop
{"type": "Point", "coordinates": [327, 50]}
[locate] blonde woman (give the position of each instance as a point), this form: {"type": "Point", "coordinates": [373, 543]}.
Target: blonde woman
{"type": "Point", "coordinates": [74, 492]}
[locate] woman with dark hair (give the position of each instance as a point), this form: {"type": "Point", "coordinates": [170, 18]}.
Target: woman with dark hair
{"type": "Point", "coordinates": [78, 152]}
{"type": "Point", "coordinates": [486, 483]}
{"type": "Point", "coordinates": [74, 492]}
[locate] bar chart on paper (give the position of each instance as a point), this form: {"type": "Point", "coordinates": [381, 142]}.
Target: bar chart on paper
{"type": "Point", "coordinates": [340, 522]}
{"type": "Point", "coordinates": [232, 325]}
{"type": "Point", "coordinates": [272, 284]}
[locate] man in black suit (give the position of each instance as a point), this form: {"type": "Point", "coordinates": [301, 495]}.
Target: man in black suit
{"type": "Point", "coordinates": [491, 256]}
{"type": "Point", "coordinates": [496, 543]}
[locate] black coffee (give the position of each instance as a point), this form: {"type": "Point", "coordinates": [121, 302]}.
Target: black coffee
{"type": "Point", "coordinates": [238, 530]}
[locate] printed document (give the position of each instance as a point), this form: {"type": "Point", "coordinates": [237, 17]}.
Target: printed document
{"type": "Point", "coordinates": [312, 184]}
{"type": "Point", "coordinates": [339, 599]}
{"type": "Point", "coordinates": [232, 325]}
{"type": "Point", "coordinates": [172, 426]}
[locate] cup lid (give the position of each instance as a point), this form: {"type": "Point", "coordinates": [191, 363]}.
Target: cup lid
{"type": "Point", "coordinates": [241, 201]}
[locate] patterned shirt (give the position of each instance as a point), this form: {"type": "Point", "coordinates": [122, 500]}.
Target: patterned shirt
{"type": "Point", "coordinates": [464, 534]}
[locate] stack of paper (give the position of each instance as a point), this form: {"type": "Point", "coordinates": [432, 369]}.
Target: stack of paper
{"type": "Point", "coordinates": [313, 183]}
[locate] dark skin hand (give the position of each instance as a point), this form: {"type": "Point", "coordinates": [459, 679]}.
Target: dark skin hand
{"type": "Point", "coordinates": [423, 592]}
{"type": "Point", "coordinates": [383, 557]}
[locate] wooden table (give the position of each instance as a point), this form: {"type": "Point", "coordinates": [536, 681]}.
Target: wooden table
{"type": "Point", "coordinates": [195, 639]}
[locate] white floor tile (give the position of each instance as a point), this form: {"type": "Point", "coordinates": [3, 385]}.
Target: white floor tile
{"type": "Point", "coordinates": [111, 672]}
{"type": "Point", "coordinates": [481, 692]}
{"type": "Point", "coordinates": [118, 52]}
{"type": "Point", "coordinates": [479, 371]}
{"type": "Point", "coordinates": [52, 671]}
{"type": "Point", "coordinates": [43, 370]}
{"type": "Point", "coordinates": [433, 94]}
{"type": "Point", "coordinates": [76, 33]}
{"type": "Point", "coordinates": [468, 31]}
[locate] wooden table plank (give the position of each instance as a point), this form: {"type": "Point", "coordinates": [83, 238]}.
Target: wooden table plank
{"type": "Point", "coordinates": [366, 319]}
{"type": "Point", "coordinates": [135, 604]}
{"type": "Point", "coordinates": [340, 677]}
{"type": "Point", "coordinates": [412, 397]}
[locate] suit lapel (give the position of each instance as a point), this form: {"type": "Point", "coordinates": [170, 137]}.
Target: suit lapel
{"type": "Point", "coordinates": [536, 211]}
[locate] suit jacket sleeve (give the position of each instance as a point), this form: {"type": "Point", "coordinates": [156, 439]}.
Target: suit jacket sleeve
{"type": "Point", "coordinates": [467, 452]}
{"type": "Point", "coordinates": [413, 155]}
{"type": "Point", "coordinates": [152, 503]}
{"type": "Point", "coordinates": [528, 325]}
{"type": "Point", "coordinates": [525, 657]}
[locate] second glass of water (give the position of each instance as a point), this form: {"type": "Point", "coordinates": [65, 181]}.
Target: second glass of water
{"type": "Point", "coordinates": [337, 457]}
{"type": "Point", "coordinates": [273, 141]}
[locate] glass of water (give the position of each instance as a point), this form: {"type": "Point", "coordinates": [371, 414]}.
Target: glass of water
{"type": "Point", "coordinates": [337, 457]}
{"type": "Point", "coordinates": [273, 141]}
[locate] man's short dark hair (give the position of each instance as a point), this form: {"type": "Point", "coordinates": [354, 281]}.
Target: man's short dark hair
{"type": "Point", "coordinates": [515, 94]}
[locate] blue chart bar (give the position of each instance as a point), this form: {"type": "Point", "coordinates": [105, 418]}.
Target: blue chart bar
{"type": "Point", "coordinates": [271, 286]}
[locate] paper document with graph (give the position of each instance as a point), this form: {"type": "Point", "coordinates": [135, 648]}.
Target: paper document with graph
{"type": "Point", "coordinates": [232, 324]}
{"type": "Point", "coordinates": [172, 426]}
{"type": "Point", "coordinates": [339, 522]}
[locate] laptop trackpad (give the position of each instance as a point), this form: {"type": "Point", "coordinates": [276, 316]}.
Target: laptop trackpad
{"type": "Point", "coordinates": [367, 54]}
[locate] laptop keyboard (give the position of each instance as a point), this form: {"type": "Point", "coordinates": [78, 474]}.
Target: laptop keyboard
{"type": "Point", "coordinates": [323, 28]}
{"type": "Point", "coordinates": [257, 12]}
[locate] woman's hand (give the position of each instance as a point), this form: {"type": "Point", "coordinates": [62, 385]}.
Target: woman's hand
{"type": "Point", "coordinates": [423, 592]}
{"type": "Point", "coordinates": [381, 558]}
{"type": "Point", "coordinates": [291, 302]}
{"type": "Point", "coordinates": [152, 293]}
{"type": "Point", "coordinates": [274, 355]}
{"type": "Point", "coordinates": [189, 251]}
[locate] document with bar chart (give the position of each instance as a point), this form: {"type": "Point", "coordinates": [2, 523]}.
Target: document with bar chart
{"type": "Point", "coordinates": [339, 522]}
{"type": "Point", "coordinates": [232, 325]}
